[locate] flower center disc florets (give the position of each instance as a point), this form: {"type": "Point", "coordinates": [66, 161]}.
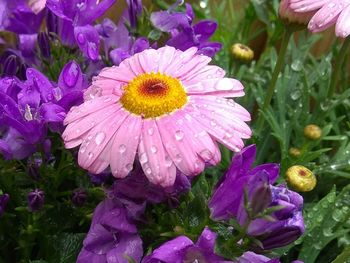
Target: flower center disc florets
{"type": "Point", "coordinates": [153, 94]}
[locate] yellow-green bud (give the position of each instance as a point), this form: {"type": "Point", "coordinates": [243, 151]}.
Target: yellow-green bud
{"type": "Point", "coordinates": [312, 132]}
{"type": "Point", "coordinates": [300, 178]}
{"type": "Point", "coordinates": [242, 52]}
{"type": "Point", "coordinates": [294, 152]}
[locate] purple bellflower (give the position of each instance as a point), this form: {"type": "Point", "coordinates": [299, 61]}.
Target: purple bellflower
{"type": "Point", "coordinates": [28, 107]}
{"type": "Point", "coordinates": [36, 200]}
{"type": "Point", "coordinates": [112, 236]}
{"type": "Point", "coordinates": [183, 34]}
{"type": "Point", "coordinates": [76, 17]}
{"type": "Point", "coordinates": [182, 249]}
{"type": "Point", "coordinates": [287, 224]}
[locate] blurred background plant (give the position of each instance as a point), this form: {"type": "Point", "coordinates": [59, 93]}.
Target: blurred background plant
{"type": "Point", "coordinates": [52, 200]}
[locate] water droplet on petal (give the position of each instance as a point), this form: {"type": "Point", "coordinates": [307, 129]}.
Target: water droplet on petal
{"type": "Point", "coordinates": [100, 138]}
{"type": "Point", "coordinates": [154, 149]}
{"type": "Point", "coordinates": [143, 158]}
{"type": "Point", "coordinates": [168, 161]}
{"type": "Point", "coordinates": [179, 135]}
{"type": "Point", "coordinates": [90, 155]}
{"type": "Point", "coordinates": [122, 148]}
{"type": "Point", "coordinates": [150, 131]}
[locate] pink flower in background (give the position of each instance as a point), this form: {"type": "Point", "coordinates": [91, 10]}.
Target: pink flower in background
{"type": "Point", "coordinates": [327, 14]}
{"type": "Point", "coordinates": [36, 5]}
{"type": "Point", "coordinates": [291, 16]}
{"type": "Point", "coordinates": [167, 106]}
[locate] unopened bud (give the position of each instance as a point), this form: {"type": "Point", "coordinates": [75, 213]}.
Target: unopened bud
{"type": "Point", "coordinates": [36, 200]}
{"type": "Point", "coordinates": [44, 44]}
{"type": "Point", "coordinates": [242, 52]}
{"type": "Point", "coordinates": [289, 16]}
{"type": "Point", "coordinates": [10, 65]}
{"type": "Point", "coordinates": [294, 152]}
{"type": "Point", "coordinates": [4, 198]}
{"type": "Point", "coordinates": [300, 178]}
{"type": "Point", "coordinates": [312, 132]}
{"type": "Point", "coordinates": [79, 197]}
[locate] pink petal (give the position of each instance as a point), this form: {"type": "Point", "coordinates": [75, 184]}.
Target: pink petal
{"type": "Point", "coordinates": [79, 127]}
{"type": "Point", "coordinates": [155, 161]}
{"type": "Point", "coordinates": [102, 86]}
{"type": "Point", "coordinates": [36, 5]}
{"type": "Point", "coordinates": [326, 16]}
{"type": "Point", "coordinates": [342, 28]}
{"type": "Point", "coordinates": [97, 140]}
{"type": "Point", "coordinates": [180, 58]}
{"type": "Point", "coordinates": [189, 68]}
{"type": "Point", "coordinates": [202, 143]}
{"type": "Point", "coordinates": [304, 6]}
{"type": "Point", "coordinates": [167, 55]}
{"type": "Point", "coordinates": [226, 127]}
{"type": "Point", "coordinates": [125, 143]}
{"type": "Point", "coordinates": [149, 60]}
{"type": "Point", "coordinates": [134, 64]}
{"type": "Point", "coordinates": [224, 87]}
{"type": "Point", "coordinates": [89, 107]}
{"type": "Point", "coordinates": [120, 73]}
{"type": "Point", "coordinates": [179, 144]}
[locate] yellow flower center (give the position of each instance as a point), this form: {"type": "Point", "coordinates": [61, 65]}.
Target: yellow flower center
{"type": "Point", "coordinates": [153, 94]}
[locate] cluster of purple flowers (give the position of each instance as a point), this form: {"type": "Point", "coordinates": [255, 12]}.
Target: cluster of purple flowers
{"type": "Point", "coordinates": [108, 240]}
{"type": "Point", "coordinates": [29, 108]}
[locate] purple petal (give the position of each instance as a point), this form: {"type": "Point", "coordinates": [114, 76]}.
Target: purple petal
{"type": "Point", "coordinates": [272, 169]}
{"type": "Point", "coordinates": [207, 240]}
{"type": "Point", "coordinates": [171, 251]}
{"type": "Point", "coordinates": [71, 77]}
{"type": "Point", "coordinates": [41, 82]}
{"type": "Point", "coordinates": [87, 256]}
{"type": "Point", "coordinates": [27, 44]}
{"type": "Point", "coordinates": [51, 112]}
{"type": "Point", "coordinates": [166, 21]}
{"type": "Point", "coordinates": [127, 246]}
{"type": "Point", "coordinates": [205, 29]}
{"type": "Point", "coordinates": [71, 99]}
{"type": "Point", "coordinates": [250, 257]}
{"type": "Point", "coordinates": [88, 41]}
{"type": "Point", "coordinates": [118, 55]}
{"type": "Point", "coordinates": [140, 45]}
{"type": "Point", "coordinates": [99, 240]}
{"type": "Point", "coordinates": [91, 10]}
{"type": "Point", "coordinates": [66, 31]}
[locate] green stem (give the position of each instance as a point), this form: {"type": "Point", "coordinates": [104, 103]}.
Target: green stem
{"type": "Point", "coordinates": [339, 60]}
{"type": "Point", "coordinates": [278, 67]}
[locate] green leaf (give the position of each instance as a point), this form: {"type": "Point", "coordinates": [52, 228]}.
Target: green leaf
{"type": "Point", "coordinates": [67, 247]}
{"type": "Point", "coordinates": [324, 223]}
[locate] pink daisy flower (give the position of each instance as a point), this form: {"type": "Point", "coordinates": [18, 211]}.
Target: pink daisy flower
{"type": "Point", "coordinates": [327, 14]}
{"type": "Point", "coordinates": [168, 107]}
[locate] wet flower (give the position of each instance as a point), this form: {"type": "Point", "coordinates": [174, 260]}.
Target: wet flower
{"type": "Point", "coordinates": [185, 35]}
{"type": "Point", "coordinates": [312, 132]}
{"type": "Point", "coordinates": [111, 237]}
{"type": "Point", "coordinates": [168, 106]}
{"type": "Point", "coordinates": [29, 106]}
{"type": "Point", "coordinates": [75, 22]}
{"type": "Point", "coordinates": [79, 197]}
{"type": "Point", "coordinates": [118, 43]}
{"type": "Point", "coordinates": [300, 178]}
{"type": "Point", "coordinates": [4, 199]}
{"type": "Point", "coordinates": [182, 249]}
{"type": "Point", "coordinates": [242, 52]}
{"type": "Point", "coordinates": [36, 200]}
{"type": "Point", "coordinates": [294, 152]}
{"type": "Point", "coordinates": [327, 14]}
{"type": "Point", "coordinates": [287, 224]}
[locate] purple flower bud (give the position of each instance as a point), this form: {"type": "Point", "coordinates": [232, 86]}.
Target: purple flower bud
{"type": "Point", "coordinates": [4, 198]}
{"type": "Point", "coordinates": [36, 200]}
{"type": "Point", "coordinates": [98, 179]}
{"type": "Point", "coordinates": [33, 168]}
{"type": "Point", "coordinates": [79, 197]}
{"type": "Point", "coordinates": [10, 65]}
{"type": "Point", "coordinates": [261, 199]}
{"type": "Point", "coordinates": [22, 71]}
{"type": "Point", "coordinates": [51, 22]}
{"type": "Point", "coordinates": [44, 44]}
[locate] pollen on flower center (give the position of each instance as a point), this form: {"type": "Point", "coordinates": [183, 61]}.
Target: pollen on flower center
{"type": "Point", "coordinates": [153, 94]}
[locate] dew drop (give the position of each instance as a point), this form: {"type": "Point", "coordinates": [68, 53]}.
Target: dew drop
{"type": "Point", "coordinates": [100, 138]}
{"type": "Point", "coordinates": [297, 65]}
{"type": "Point", "coordinates": [154, 149]}
{"type": "Point", "coordinates": [179, 135]}
{"type": "Point", "coordinates": [122, 148]}
{"type": "Point", "coordinates": [82, 149]}
{"type": "Point", "coordinates": [150, 131]}
{"type": "Point", "coordinates": [90, 155]}
{"type": "Point", "coordinates": [143, 158]}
